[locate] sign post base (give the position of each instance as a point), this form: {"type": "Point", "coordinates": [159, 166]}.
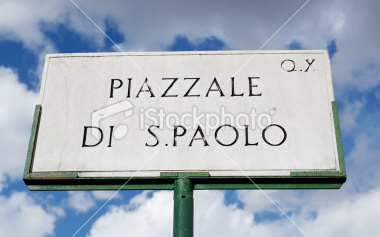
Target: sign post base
{"type": "Point", "coordinates": [183, 208]}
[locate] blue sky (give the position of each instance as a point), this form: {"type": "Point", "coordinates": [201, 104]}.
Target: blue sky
{"type": "Point", "coordinates": [31, 29]}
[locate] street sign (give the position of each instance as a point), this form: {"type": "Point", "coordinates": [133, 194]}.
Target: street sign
{"type": "Point", "coordinates": [218, 117]}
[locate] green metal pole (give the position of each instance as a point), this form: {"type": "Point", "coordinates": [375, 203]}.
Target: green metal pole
{"type": "Point", "coordinates": [183, 208]}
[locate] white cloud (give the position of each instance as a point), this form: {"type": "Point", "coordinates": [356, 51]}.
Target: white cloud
{"type": "Point", "coordinates": [147, 216]}
{"type": "Point", "coordinates": [343, 215]}
{"type": "Point", "coordinates": [248, 25]}
{"type": "Point", "coordinates": [357, 64]}
{"type": "Point", "coordinates": [350, 211]}
{"type": "Point", "coordinates": [364, 162]}
{"type": "Point", "coordinates": [105, 195]}
{"type": "Point", "coordinates": [348, 217]}
{"type": "Point", "coordinates": [214, 218]}
{"type": "Point", "coordinates": [348, 118]}
{"type": "Point", "coordinates": [57, 210]}
{"type": "Point", "coordinates": [25, 22]}
{"type": "Point", "coordinates": [81, 201]}
{"type": "Point", "coordinates": [17, 108]}
{"type": "Point", "coordinates": [143, 216]}
{"type": "Point", "coordinates": [153, 26]}
{"type": "Point", "coordinates": [21, 20]}
{"type": "Point", "coordinates": [21, 216]}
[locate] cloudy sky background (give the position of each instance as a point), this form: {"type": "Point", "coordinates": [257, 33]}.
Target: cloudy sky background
{"type": "Point", "coordinates": [348, 29]}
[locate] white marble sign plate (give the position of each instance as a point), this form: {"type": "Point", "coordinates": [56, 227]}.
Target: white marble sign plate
{"type": "Point", "coordinates": [124, 94]}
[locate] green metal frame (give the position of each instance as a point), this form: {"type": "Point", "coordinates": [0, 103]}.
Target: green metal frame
{"type": "Point", "coordinates": [200, 180]}
{"type": "Point", "coordinates": [183, 221]}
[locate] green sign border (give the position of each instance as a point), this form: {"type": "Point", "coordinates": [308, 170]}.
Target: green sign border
{"type": "Point", "coordinates": [201, 180]}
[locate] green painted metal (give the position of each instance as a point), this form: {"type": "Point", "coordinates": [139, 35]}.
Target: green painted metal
{"type": "Point", "coordinates": [32, 141]}
{"type": "Point", "coordinates": [61, 187]}
{"type": "Point", "coordinates": [183, 208]}
{"type": "Point", "coordinates": [268, 186]}
{"type": "Point", "coordinates": [54, 175]}
{"type": "Point", "coordinates": [316, 173]}
{"type": "Point", "coordinates": [338, 136]}
{"type": "Point", "coordinates": [101, 187]}
{"type": "Point", "coordinates": [184, 174]}
{"type": "Point", "coordinates": [201, 180]}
